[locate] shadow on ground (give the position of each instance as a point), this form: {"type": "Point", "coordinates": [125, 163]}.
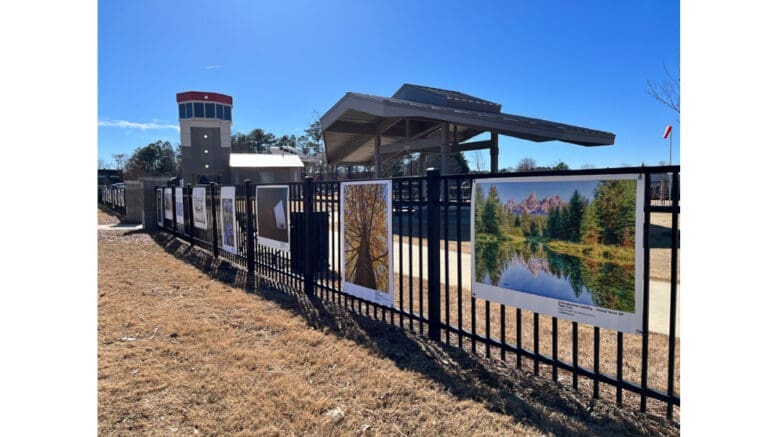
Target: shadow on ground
{"type": "Point", "coordinates": [551, 407]}
{"type": "Point", "coordinates": [661, 237]}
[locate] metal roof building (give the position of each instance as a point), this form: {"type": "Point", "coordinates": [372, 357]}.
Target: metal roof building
{"type": "Point", "coordinates": [366, 129]}
{"type": "Point", "coordinates": [265, 167]}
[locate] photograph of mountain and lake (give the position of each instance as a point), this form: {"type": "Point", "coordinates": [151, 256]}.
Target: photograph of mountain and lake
{"type": "Point", "coordinates": [570, 240]}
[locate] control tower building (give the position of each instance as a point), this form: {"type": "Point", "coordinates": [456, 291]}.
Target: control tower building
{"type": "Point", "coordinates": [206, 122]}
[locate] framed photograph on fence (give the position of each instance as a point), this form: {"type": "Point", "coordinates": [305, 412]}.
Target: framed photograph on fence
{"type": "Point", "coordinates": [366, 242]}
{"type": "Point", "coordinates": [160, 221]}
{"type": "Point", "coordinates": [168, 203]}
{"type": "Point", "coordinates": [228, 220]}
{"type": "Point", "coordinates": [272, 216]}
{"type": "Point", "coordinates": [179, 221]}
{"type": "Point", "coordinates": [566, 246]}
{"type": "Point", "coordinates": [199, 208]}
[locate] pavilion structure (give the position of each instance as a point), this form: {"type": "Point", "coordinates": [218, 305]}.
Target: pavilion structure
{"type": "Point", "coordinates": [362, 129]}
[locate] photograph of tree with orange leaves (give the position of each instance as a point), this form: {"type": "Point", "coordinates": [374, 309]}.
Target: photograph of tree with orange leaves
{"type": "Point", "coordinates": [366, 237]}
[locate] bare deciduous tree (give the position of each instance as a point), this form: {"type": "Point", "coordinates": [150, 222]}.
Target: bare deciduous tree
{"type": "Point", "coordinates": [366, 246]}
{"type": "Point", "coordinates": [668, 92]}
{"type": "Point", "coordinates": [526, 164]}
{"type": "Point", "coordinates": [120, 160]}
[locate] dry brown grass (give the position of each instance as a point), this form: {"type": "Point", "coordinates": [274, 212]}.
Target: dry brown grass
{"type": "Point", "coordinates": [107, 217]}
{"type": "Point", "coordinates": [658, 344]}
{"type": "Point", "coordinates": [181, 351]}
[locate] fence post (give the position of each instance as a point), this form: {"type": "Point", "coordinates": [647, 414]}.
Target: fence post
{"type": "Point", "coordinates": [189, 225]}
{"type": "Point", "coordinates": [175, 212]}
{"type": "Point", "coordinates": [214, 221]}
{"type": "Point", "coordinates": [433, 247]}
{"type": "Point", "coordinates": [307, 226]}
{"type": "Point", "coordinates": [250, 238]}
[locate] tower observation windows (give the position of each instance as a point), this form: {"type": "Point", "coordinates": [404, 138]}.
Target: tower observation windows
{"type": "Point", "coordinates": [204, 110]}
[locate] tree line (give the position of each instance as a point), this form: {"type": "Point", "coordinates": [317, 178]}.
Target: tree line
{"type": "Point", "coordinates": [608, 218]}
{"type": "Point", "coordinates": [260, 141]}
{"type": "Point", "coordinates": [160, 158]}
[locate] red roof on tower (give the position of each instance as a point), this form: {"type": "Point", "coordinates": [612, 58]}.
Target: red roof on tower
{"type": "Point", "coordinates": [203, 96]}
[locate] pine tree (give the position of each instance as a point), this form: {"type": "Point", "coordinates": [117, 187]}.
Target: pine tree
{"type": "Point", "coordinates": [590, 231]}
{"type": "Point", "coordinates": [552, 229]}
{"type": "Point", "coordinates": [616, 208]}
{"type": "Point", "coordinates": [493, 213]}
{"type": "Point", "coordinates": [534, 229]}
{"type": "Point", "coordinates": [480, 200]}
{"type": "Point", "coordinates": [574, 215]}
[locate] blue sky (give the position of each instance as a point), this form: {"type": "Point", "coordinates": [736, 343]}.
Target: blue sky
{"type": "Point", "coordinates": [583, 62]}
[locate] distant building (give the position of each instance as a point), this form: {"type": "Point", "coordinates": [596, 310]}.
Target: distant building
{"type": "Point", "coordinates": [109, 176]}
{"type": "Point", "coordinates": [263, 168]}
{"type": "Point", "coordinates": [206, 146]}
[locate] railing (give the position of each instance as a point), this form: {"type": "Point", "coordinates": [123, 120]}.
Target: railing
{"type": "Point", "coordinates": [433, 249]}
{"type": "Point", "coordinates": [113, 198]}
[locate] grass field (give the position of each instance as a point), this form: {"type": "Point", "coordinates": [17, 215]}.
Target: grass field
{"type": "Point", "coordinates": [183, 350]}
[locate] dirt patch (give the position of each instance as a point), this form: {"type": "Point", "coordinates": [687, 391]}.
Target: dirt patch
{"type": "Point", "coordinates": [106, 217]}
{"type": "Point", "coordinates": [182, 351]}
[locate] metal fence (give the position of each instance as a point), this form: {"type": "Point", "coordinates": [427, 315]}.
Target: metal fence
{"type": "Point", "coordinates": [113, 197]}
{"type": "Point", "coordinates": [431, 294]}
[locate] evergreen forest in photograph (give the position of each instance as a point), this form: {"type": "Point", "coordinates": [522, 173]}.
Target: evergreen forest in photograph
{"type": "Point", "coordinates": [567, 240]}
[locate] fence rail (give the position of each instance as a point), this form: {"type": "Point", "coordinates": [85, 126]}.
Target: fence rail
{"type": "Point", "coordinates": [433, 251]}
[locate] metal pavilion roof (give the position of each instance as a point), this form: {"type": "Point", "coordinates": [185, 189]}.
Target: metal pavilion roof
{"type": "Point", "coordinates": [413, 118]}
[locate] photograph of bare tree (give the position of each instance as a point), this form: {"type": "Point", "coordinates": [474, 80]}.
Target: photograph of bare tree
{"type": "Point", "coordinates": [366, 240]}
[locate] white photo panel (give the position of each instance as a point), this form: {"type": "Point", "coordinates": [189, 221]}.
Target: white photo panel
{"type": "Point", "coordinates": [199, 208]}
{"type": "Point", "coordinates": [168, 203]}
{"type": "Point", "coordinates": [366, 254]}
{"type": "Point", "coordinates": [159, 208]}
{"type": "Point", "coordinates": [566, 246]}
{"type": "Point", "coordinates": [228, 220]}
{"type": "Point", "coordinates": [272, 216]}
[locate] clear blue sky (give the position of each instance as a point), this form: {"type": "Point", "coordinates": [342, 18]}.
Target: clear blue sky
{"type": "Point", "coordinates": [578, 62]}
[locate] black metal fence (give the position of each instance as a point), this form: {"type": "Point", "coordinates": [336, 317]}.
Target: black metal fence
{"type": "Point", "coordinates": [432, 252]}
{"type": "Point", "coordinates": [113, 197]}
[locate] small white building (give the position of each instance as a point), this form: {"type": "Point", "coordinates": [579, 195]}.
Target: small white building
{"type": "Point", "coordinates": [265, 168]}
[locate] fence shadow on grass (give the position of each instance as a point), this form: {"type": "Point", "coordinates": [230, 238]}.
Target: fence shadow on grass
{"type": "Point", "coordinates": [661, 237]}
{"type": "Point", "coordinates": [551, 407]}
{"type": "Point", "coordinates": [202, 260]}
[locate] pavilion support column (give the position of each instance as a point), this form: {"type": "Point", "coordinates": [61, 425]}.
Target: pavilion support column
{"type": "Point", "coordinates": [378, 158]}
{"type": "Point", "coordinates": [494, 152]}
{"type": "Point", "coordinates": [444, 150]}
{"type": "Point", "coordinates": [455, 140]}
